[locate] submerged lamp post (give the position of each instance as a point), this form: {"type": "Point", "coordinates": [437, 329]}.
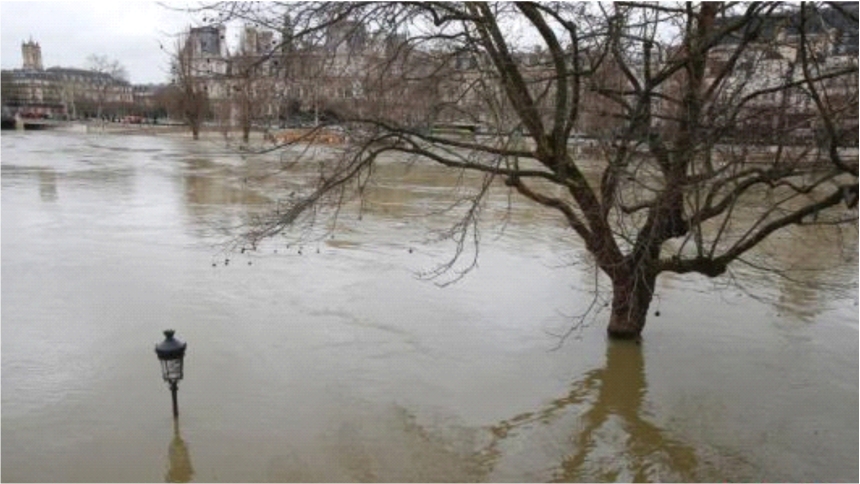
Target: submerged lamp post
{"type": "Point", "coordinates": [170, 353]}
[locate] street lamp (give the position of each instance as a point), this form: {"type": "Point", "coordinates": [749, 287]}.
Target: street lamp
{"type": "Point", "coordinates": [170, 353]}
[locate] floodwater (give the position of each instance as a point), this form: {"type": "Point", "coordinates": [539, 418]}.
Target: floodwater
{"type": "Point", "coordinates": [332, 360]}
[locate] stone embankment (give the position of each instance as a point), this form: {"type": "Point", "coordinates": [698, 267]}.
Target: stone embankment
{"type": "Point", "coordinates": [335, 137]}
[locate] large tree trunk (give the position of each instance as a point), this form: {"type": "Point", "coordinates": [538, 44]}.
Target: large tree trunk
{"type": "Point", "coordinates": [631, 295]}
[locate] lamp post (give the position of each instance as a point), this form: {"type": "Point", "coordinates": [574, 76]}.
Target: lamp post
{"type": "Point", "coordinates": [171, 353]}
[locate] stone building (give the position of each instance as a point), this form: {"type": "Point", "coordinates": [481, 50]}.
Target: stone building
{"type": "Point", "coordinates": [354, 71]}
{"type": "Point", "coordinates": [774, 58]}
{"type": "Point", "coordinates": [32, 54]}
{"type": "Point", "coordinates": [60, 91]}
{"type": "Point", "coordinates": [208, 51]}
{"type": "Point", "coordinates": [277, 83]}
{"type": "Point", "coordinates": [202, 61]}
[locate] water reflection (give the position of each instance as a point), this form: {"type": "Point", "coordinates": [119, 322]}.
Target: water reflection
{"type": "Point", "coordinates": [611, 440]}
{"type": "Point", "coordinates": [90, 177]}
{"type": "Point", "coordinates": [207, 183]}
{"type": "Point", "coordinates": [217, 198]}
{"type": "Point", "coordinates": [179, 460]}
{"type": "Point", "coordinates": [810, 267]}
{"type": "Point", "coordinates": [48, 184]}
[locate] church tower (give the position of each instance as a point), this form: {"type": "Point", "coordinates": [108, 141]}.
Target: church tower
{"type": "Point", "coordinates": [32, 54]}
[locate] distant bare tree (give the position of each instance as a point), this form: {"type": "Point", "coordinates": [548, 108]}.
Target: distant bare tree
{"type": "Point", "coordinates": [110, 73]}
{"type": "Point", "coordinates": [253, 90]}
{"type": "Point", "coordinates": [671, 184]}
{"type": "Point", "coordinates": [187, 96]}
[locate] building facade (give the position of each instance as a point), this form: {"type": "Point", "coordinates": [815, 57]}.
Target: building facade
{"type": "Point", "coordinates": [353, 71]}
{"type": "Point", "coordinates": [62, 92]}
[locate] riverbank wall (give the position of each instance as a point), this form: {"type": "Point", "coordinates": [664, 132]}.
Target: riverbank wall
{"type": "Point", "coordinates": [332, 137]}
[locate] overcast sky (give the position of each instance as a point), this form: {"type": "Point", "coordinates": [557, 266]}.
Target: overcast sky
{"type": "Point", "coordinates": [70, 31]}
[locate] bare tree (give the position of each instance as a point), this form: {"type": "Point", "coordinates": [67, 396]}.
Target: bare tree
{"type": "Point", "coordinates": [253, 89]}
{"type": "Point", "coordinates": [670, 184]}
{"type": "Point", "coordinates": [187, 96]}
{"type": "Point", "coordinates": [109, 75]}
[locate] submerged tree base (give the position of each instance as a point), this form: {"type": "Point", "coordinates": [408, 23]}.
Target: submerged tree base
{"type": "Point", "coordinates": [623, 334]}
{"type": "Point", "coordinates": [625, 327]}
{"type": "Point", "coordinates": [631, 297]}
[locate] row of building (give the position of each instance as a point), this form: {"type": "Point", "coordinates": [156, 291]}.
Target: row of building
{"type": "Point", "coordinates": [360, 73]}
{"type": "Point", "coordinates": [64, 92]}
{"type": "Point", "coordinates": [270, 81]}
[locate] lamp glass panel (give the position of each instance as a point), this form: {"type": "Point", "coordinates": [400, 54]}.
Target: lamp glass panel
{"type": "Point", "coordinates": [172, 369]}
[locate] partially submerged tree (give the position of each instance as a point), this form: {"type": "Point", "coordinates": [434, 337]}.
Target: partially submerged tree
{"type": "Point", "coordinates": [187, 97]}
{"type": "Point", "coordinates": [253, 89]}
{"type": "Point", "coordinates": [668, 92]}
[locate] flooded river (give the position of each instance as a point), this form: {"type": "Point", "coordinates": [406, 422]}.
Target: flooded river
{"type": "Point", "coordinates": [330, 360]}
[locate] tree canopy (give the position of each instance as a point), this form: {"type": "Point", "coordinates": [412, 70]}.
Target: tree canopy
{"type": "Point", "coordinates": [671, 137]}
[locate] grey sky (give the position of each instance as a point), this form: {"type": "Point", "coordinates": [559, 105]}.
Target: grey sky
{"type": "Point", "coordinates": [70, 31]}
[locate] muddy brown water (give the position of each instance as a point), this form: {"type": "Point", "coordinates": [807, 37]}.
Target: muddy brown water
{"type": "Point", "coordinates": [340, 364]}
